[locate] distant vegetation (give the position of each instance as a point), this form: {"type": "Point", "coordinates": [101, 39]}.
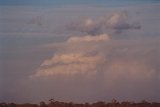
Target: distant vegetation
{"type": "Point", "coordinates": [113, 103]}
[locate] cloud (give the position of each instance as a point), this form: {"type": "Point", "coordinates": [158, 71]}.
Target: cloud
{"type": "Point", "coordinates": [120, 69]}
{"type": "Point", "coordinates": [71, 58]}
{"type": "Point", "coordinates": [118, 22]}
{"type": "Point", "coordinates": [76, 61]}
{"type": "Point", "coordinates": [89, 38]}
{"type": "Point", "coordinates": [80, 70]}
{"type": "Point", "coordinates": [93, 54]}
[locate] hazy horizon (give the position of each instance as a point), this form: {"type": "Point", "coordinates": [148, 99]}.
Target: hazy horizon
{"type": "Point", "coordinates": [79, 50]}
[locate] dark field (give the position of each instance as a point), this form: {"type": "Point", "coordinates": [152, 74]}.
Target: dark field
{"type": "Point", "coordinates": [113, 103]}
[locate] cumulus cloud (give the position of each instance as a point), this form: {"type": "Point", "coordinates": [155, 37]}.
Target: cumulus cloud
{"type": "Point", "coordinates": [90, 65]}
{"type": "Point", "coordinates": [77, 61]}
{"type": "Point", "coordinates": [120, 68]}
{"type": "Point", "coordinates": [92, 54]}
{"type": "Point", "coordinates": [118, 22]}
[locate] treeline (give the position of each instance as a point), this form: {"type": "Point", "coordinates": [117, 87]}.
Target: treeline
{"type": "Point", "coordinates": [113, 103]}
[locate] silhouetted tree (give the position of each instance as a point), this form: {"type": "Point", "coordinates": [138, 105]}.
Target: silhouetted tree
{"type": "Point", "coordinates": [43, 104]}
{"type": "Point", "coordinates": [113, 103]}
{"type": "Point", "coordinates": [51, 103]}
{"type": "Point", "coordinates": [87, 105]}
{"type": "Point", "coordinates": [11, 105]}
{"type": "Point", "coordinates": [3, 105]}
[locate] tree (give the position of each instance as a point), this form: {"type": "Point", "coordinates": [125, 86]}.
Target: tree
{"type": "Point", "coordinates": [43, 104]}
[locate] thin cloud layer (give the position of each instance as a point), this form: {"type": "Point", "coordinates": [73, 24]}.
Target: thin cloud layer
{"type": "Point", "coordinates": [89, 38]}
{"type": "Point", "coordinates": [118, 22]}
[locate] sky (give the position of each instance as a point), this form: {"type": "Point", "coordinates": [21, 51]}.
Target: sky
{"type": "Point", "coordinates": [79, 51]}
{"type": "Point", "coordinates": [74, 2]}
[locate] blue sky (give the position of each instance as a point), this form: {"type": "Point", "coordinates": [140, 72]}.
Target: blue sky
{"type": "Point", "coordinates": [69, 2]}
